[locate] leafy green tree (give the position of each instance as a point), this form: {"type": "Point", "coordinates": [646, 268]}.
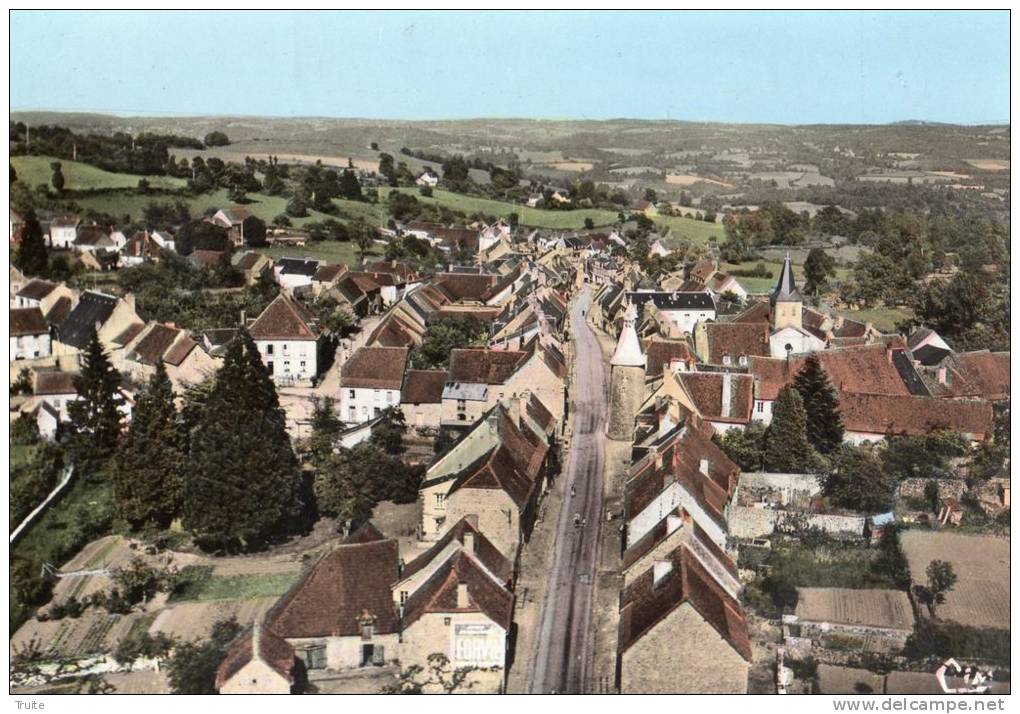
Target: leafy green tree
{"type": "Point", "coordinates": [941, 580]}
{"type": "Point", "coordinates": [150, 460]}
{"type": "Point", "coordinates": [443, 336]}
{"type": "Point", "coordinates": [57, 179]}
{"type": "Point", "coordinates": [818, 267]}
{"type": "Point", "coordinates": [326, 426]}
{"type": "Point", "coordinates": [856, 480]}
{"type": "Point", "coordinates": [282, 221]}
{"type": "Point", "coordinates": [364, 236]}
{"type": "Point", "coordinates": [242, 483]}
{"type": "Point", "coordinates": [297, 207]}
{"type": "Point", "coordinates": [32, 256]}
{"type": "Point", "coordinates": [254, 230]}
{"type": "Point", "coordinates": [344, 483]}
{"type": "Point", "coordinates": [191, 668]}
{"type": "Point", "coordinates": [389, 433]}
{"type": "Point", "coordinates": [200, 235]}
{"type": "Point", "coordinates": [787, 449]}
{"type": "Point", "coordinates": [216, 138]}
{"type": "Point", "coordinates": [95, 417]}
{"type": "Point", "coordinates": [824, 421]}
{"type": "Point", "coordinates": [745, 447]}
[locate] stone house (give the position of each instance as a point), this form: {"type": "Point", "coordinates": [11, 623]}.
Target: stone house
{"type": "Point", "coordinates": [679, 311]}
{"type": "Point", "coordinates": [29, 334]}
{"type": "Point", "coordinates": [292, 273]}
{"type": "Point", "coordinates": [63, 231]}
{"type": "Point", "coordinates": [107, 315]}
{"type": "Point", "coordinates": [494, 474]}
{"type": "Point", "coordinates": [870, 620]}
{"type": "Point", "coordinates": [421, 398]}
{"type": "Point", "coordinates": [289, 338]}
{"type": "Point", "coordinates": [46, 296]}
{"type": "Point", "coordinates": [258, 662]}
{"type": "Point", "coordinates": [463, 613]}
{"type": "Point", "coordinates": [683, 468]}
{"type": "Point", "coordinates": [479, 378]}
{"type": "Point", "coordinates": [676, 613]}
{"type": "Point", "coordinates": [370, 382]}
{"type": "Point", "coordinates": [341, 615]}
{"type": "Point", "coordinates": [185, 361]}
{"type": "Point", "coordinates": [254, 266]}
{"type": "Point", "coordinates": [232, 219]}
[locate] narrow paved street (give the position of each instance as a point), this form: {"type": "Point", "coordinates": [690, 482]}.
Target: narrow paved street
{"type": "Point", "coordinates": [563, 646]}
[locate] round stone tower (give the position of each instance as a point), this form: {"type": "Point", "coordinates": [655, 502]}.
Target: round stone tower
{"type": "Point", "coordinates": [626, 379]}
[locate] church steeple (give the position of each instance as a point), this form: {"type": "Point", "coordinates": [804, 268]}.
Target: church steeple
{"type": "Point", "coordinates": [786, 288]}
{"type": "Point", "coordinates": [787, 304]}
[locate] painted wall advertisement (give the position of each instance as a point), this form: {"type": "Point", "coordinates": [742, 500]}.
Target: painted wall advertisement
{"type": "Point", "coordinates": [479, 645]}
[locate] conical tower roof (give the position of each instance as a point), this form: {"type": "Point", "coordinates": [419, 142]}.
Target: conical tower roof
{"type": "Point", "coordinates": [628, 349]}
{"type": "Point", "coordinates": [786, 288]}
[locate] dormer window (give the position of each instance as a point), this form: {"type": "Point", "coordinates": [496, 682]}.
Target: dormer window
{"type": "Point", "coordinates": [726, 359]}
{"type": "Point", "coordinates": [742, 360]}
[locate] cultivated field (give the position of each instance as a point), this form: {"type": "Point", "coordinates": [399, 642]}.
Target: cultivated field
{"type": "Point", "coordinates": [691, 179]}
{"type": "Point", "coordinates": [981, 596]}
{"type": "Point", "coordinates": [989, 164]}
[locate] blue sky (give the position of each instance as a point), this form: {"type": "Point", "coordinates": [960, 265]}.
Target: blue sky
{"type": "Point", "coordinates": [781, 67]}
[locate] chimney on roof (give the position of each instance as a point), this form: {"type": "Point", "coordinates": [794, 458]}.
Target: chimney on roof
{"type": "Point", "coordinates": [463, 601]}
{"type": "Point", "coordinates": [469, 541]}
{"type": "Point", "coordinates": [658, 456]}
{"type": "Point", "coordinates": [727, 393]}
{"type": "Point", "coordinates": [256, 632]}
{"type": "Point", "coordinates": [888, 353]}
{"type": "Point", "coordinates": [942, 375]}
{"type": "Point", "coordinates": [703, 466]}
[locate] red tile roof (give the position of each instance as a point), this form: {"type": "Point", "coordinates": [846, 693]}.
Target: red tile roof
{"type": "Point", "coordinates": [423, 386]}
{"type": "Point", "coordinates": [272, 649]}
{"type": "Point", "coordinates": [913, 416]}
{"type": "Point", "coordinates": [439, 593]}
{"type": "Point", "coordinates": [496, 470]}
{"type": "Point", "coordinates": [150, 349]}
{"type": "Point", "coordinates": [55, 383]}
{"type": "Point", "coordinates": [485, 551]}
{"type": "Point", "coordinates": [863, 370]}
{"type": "Point", "coordinates": [646, 603]}
{"type": "Point", "coordinates": [465, 286]}
{"type": "Point", "coordinates": [485, 366]}
{"type": "Point", "coordinates": [179, 351]}
{"type": "Point", "coordinates": [329, 273]}
{"type": "Point", "coordinates": [375, 368]}
{"type": "Point", "coordinates": [681, 462]}
{"type": "Point", "coordinates": [660, 353]}
{"type": "Point", "coordinates": [285, 319]}
{"type": "Point", "coordinates": [985, 374]}
{"type": "Point", "coordinates": [348, 583]}
{"type": "Point", "coordinates": [392, 332]}
{"type": "Point", "coordinates": [736, 339]}
{"type": "Point", "coordinates": [706, 390]}
{"type": "Point", "coordinates": [28, 321]}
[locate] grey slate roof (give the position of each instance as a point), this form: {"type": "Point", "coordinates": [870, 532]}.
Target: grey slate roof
{"type": "Point", "coordinates": [673, 301]}
{"type": "Point", "coordinates": [786, 288]}
{"type": "Point", "coordinates": [92, 309]}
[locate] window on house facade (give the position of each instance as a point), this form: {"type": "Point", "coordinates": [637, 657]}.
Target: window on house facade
{"type": "Point", "coordinates": [353, 414]}
{"type": "Point", "coordinates": [269, 349]}
{"type": "Point", "coordinates": [440, 498]}
{"type": "Point", "coordinates": [285, 348]}
{"type": "Point", "coordinates": [461, 405]}
{"type": "Point", "coordinates": [350, 393]}
{"type": "Point", "coordinates": [376, 411]}
{"type": "Point", "coordinates": [761, 407]}
{"type": "Point", "coordinates": [314, 657]}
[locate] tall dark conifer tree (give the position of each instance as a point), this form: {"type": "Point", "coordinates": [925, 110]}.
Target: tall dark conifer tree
{"type": "Point", "coordinates": [150, 460]}
{"type": "Point", "coordinates": [32, 257]}
{"type": "Point", "coordinates": [243, 481]}
{"type": "Point", "coordinates": [824, 421]}
{"type": "Point", "coordinates": [786, 446]}
{"type": "Point", "coordinates": [95, 417]}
